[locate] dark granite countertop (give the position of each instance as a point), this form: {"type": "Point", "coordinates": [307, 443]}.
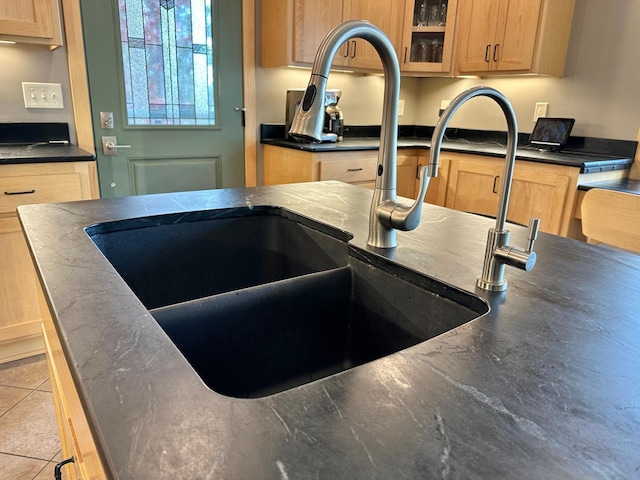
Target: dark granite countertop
{"type": "Point", "coordinates": [627, 185]}
{"type": "Point", "coordinates": [546, 385]}
{"type": "Point", "coordinates": [590, 155]}
{"type": "Point", "coordinates": [43, 152]}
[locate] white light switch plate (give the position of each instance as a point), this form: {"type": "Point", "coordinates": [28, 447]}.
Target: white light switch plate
{"type": "Point", "coordinates": [42, 95]}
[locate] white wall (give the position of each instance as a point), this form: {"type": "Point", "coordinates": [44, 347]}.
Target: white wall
{"type": "Point", "coordinates": [27, 63]}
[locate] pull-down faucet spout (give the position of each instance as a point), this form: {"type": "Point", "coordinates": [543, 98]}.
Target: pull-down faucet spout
{"type": "Point", "coordinates": [386, 214]}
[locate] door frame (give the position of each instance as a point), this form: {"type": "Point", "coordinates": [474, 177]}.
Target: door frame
{"type": "Point", "coordinates": [79, 82]}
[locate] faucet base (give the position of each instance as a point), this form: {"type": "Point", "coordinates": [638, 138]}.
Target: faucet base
{"type": "Point", "coordinates": [491, 286]}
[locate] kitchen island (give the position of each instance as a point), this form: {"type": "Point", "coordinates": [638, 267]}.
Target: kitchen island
{"type": "Point", "coordinates": [545, 385]}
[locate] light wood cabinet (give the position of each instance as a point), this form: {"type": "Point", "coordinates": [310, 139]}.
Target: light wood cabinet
{"type": "Point", "coordinates": [388, 16]}
{"type": "Point", "coordinates": [285, 165]}
{"type": "Point", "coordinates": [538, 190]}
{"type": "Point", "coordinates": [292, 30]}
{"type": "Point", "coordinates": [76, 438]}
{"type": "Point", "coordinates": [31, 21]}
{"type": "Point", "coordinates": [21, 300]}
{"type": "Point", "coordinates": [428, 48]}
{"type": "Point", "coordinates": [513, 36]}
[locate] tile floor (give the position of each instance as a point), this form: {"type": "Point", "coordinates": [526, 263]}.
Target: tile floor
{"type": "Point", "coordinates": [29, 441]}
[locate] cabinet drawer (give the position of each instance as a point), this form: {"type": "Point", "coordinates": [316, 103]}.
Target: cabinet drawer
{"type": "Point", "coordinates": [350, 171]}
{"type": "Point", "coordinates": [21, 190]}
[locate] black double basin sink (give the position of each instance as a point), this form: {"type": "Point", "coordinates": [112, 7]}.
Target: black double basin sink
{"type": "Point", "coordinates": [260, 300]}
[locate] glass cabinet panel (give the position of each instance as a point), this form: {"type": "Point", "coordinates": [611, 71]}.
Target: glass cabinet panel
{"type": "Point", "coordinates": [428, 39]}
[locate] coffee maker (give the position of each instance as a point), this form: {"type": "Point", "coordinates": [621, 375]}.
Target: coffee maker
{"type": "Point", "coordinates": [333, 129]}
{"type": "Point", "coordinates": [333, 117]}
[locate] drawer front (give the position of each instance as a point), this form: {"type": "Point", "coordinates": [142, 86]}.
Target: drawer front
{"type": "Point", "coordinates": [350, 171]}
{"type": "Point", "coordinates": [22, 190]}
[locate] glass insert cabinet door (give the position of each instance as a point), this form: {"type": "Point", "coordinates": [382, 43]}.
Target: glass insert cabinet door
{"type": "Point", "coordinates": [168, 62]}
{"type": "Point", "coordinates": [428, 40]}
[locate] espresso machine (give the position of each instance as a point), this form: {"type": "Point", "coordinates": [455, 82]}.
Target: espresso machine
{"type": "Point", "coordinates": [333, 130]}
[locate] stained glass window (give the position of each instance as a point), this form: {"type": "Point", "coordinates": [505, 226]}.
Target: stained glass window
{"type": "Point", "coordinates": [168, 58]}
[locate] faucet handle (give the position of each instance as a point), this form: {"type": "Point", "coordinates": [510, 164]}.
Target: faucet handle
{"type": "Point", "coordinates": [518, 257]}
{"type": "Point", "coordinates": [532, 233]}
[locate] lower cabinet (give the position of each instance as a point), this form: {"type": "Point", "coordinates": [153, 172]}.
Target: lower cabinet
{"type": "Point", "coordinates": [285, 165]}
{"type": "Point", "coordinates": [76, 439]}
{"type": "Point", "coordinates": [538, 190]}
{"type": "Point", "coordinates": [466, 182]}
{"type": "Point", "coordinates": [22, 304]}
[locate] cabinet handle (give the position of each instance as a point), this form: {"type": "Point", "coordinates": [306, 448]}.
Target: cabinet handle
{"type": "Point", "coordinates": [495, 52]}
{"type": "Point", "coordinates": [495, 182]}
{"type": "Point", "coordinates": [346, 53]}
{"type": "Point", "coordinates": [405, 55]}
{"type": "Point", "coordinates": [57, 471]}
{"type": "Point", "coordinates": [486, 54]}
{"type": "Point", "coordinates": [26, 192]}
{"type": "Point", "coordinates": [418, 171]}
{"type": "Point", "coordinates": [355, 169]}
{"type": "Point", "coordinates": [355, 48]}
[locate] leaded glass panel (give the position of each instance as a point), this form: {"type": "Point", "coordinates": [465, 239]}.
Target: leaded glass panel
{"type": "Point", "coordinates": [168, 62]}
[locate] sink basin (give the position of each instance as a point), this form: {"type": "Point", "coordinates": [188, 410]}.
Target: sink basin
{"type": "Point", "coordinates": [168, 259]}
{"type": "Point", "coordinates": [261, 300]}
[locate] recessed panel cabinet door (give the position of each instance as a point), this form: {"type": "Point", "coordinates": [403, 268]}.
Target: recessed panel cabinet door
{"type": "Point", "coordinates": [386, 15]}
{"type": "Point", "coordinates": [31, 21]}
{"type": "Point", "coordinates": [312, 21]}
{"type": "Point", "coordinates": [516, 34]}
{"type": "Point", "coordinates": [497, 35]}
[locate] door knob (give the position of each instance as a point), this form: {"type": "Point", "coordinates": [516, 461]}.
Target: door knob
{"type": "Point", "coordinates": [110, 146]}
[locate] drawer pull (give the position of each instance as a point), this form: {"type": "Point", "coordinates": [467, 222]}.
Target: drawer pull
{"type": "Point", "coordinates": [26, 192]}
{"type": "Point", "coordinates": [355, 169]}
{"type": "Point", "coordinates": [57, 471]}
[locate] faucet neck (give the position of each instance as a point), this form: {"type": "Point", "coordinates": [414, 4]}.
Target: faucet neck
{"type": "Point", "coordinates": [386, 175]}
{"type": "Point", "coordinates": [512, 142]}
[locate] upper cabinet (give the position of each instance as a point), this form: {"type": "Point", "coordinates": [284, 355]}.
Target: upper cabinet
{"type": "Point", "coordinates": [31, 21]}
{"type": "Point", "coordinates": [293, 29]}
{"type": "Point", "coordinates": [428, 38]}
{"type": "Point", "coordinates": [386, 15]}
{"type": "Point", "coordinates": [431, 37]}
{"type": "Point", "coordinates": [513, 36]}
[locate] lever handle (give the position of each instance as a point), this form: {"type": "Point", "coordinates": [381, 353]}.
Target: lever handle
{"type": "Point", "coordinates": [110, 145]}
{"type": "Point", "coordinates": [532, 233]}
{"type": "Point", "coordinates": [113, 146]}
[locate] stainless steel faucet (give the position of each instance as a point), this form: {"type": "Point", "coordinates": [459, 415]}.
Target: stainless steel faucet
{"type": "Point", "coordinates": [498, 252]}
{"type": "Point", "coordinates": [386, 214]}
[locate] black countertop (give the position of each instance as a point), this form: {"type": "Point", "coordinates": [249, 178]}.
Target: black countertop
{"type": "Point", "coordinates": [43, 152]}
{"type": "Point", "coordinates": [591, 155]}
{"type": "Point", "coordinates": [627, 185]}
{"type": "Point", "coordinates": [587, 162]}
{"type": "Point", "coordinates": [546, 385]}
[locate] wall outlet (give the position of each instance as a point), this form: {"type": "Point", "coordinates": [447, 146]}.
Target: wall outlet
{"type": "Point", "coordinates": [400, 108]}
{"type": "Point", "coordinates": [540, 110]}
{"type": "Point", "coordinates": [42, 95]}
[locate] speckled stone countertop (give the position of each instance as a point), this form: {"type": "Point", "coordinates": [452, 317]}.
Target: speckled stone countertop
{"type": "Point", "coordinates": [546, 385]}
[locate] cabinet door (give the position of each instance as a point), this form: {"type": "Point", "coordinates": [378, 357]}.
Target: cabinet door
{"type": "Point", "coordinates": [406, 175]}
{"type": "Point", "coordinates": [428, 48]}
{"type": "Point", "coordinates": [473, 185]}
{"type": "Point", "coordinates": [21, 300]}
{"type": "Point", "coordinates": [477, 31]}
{"type": "Point", "coordinates": [311, 22]}
{"type": "Point", "coordinates": [539, 191]}
{"type": "Point", "coordinates": [386, 15]}
{"type": "Point", "coordinates": [36, 21]}
{"type": "Point", "coordinates": [515, 39]}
